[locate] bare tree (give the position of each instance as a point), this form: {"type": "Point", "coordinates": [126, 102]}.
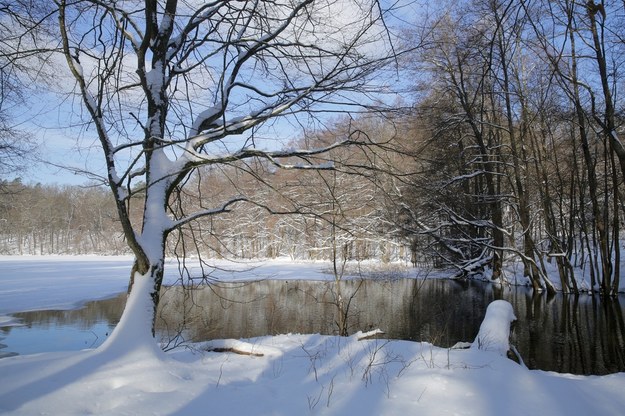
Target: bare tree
{"type": "Point", "coordinates": [463, 167]}
{"type": "Point", "coordinates": [170, 88]}
{"type": "Point", "coordinates": [22, 54]}
{"type": "Point", "coordinates": [582, 44]}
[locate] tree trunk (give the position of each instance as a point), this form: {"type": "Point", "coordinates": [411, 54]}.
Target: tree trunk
{"type": "Point", "coordinates": [135, 330]}
{"type": "Point", "coordinates": [599, 225]}
{"type": "Point", "coordinates": [608, 122]}
{"type": "Point", "coordinates": [490, 159]}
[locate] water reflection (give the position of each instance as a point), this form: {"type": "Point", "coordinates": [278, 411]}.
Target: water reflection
{"type": "Point", "coordinates": [41, 331]}
{"type": "Point", "coordinates": [582, 335]}
{"type": "Point", "coordinates": [576, 334]}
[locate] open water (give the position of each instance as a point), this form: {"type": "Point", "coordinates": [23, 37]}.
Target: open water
{"type": "Point", "coordinates": [568, 334]}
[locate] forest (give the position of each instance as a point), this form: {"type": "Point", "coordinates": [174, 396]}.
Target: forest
{"type": "Point", "coordinates": [503, 143]}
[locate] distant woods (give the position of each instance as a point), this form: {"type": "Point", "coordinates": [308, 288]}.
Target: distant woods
{"type": "Point", "coordinates": [49, 219]}
{"type": "Point", "coordinates": [301, 214]}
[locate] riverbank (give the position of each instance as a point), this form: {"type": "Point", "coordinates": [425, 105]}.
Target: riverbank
{"type": "Point", "coordinates": [300, 374]}
{"type": "Point", "coordinates": [68, 281]}
{"type": "Point", "coordinates": [284, 374]}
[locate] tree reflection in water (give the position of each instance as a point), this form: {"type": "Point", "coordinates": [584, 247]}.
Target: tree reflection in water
{"type": "Point", "coordinates": [575, 334]}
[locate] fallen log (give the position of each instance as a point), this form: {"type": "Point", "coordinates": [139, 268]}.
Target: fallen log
{"type": "Point", "coordinates": [236, 351]}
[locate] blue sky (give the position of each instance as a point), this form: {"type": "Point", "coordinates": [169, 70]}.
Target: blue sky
{"type": "Point", "coordinates": [54, 124]}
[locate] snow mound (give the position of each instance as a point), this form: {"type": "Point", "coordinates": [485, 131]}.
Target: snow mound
{"type": "Point", "coordinates": [494, 334]}
{"type": "Point", "coordinates": [369, 334]}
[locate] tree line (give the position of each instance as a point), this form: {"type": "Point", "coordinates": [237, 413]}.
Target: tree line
{"type": "Point", "coordinates": [518, 127]}
{"type": "Point", "coordinates": [53, 219]}
{"type": "Point", "coordinates": [321, 214]}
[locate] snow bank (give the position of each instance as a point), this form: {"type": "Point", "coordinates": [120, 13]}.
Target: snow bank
{"type": "Point", "coordinates": [298, 375]}
{"type": "Point", "coordinates": [6, 321]}
{"type": "Point", "coordinates": [30, 283]}
{"type": "Point", "coordinates": [281, 375]}
{"type": "Point", "coordinates": [494, 333]}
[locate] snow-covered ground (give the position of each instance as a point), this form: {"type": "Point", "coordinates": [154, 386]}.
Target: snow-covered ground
{"type": "Point", "coordinates": [59, 282]}
{"type": "Point", "coordinates": [299, 375]}
{"type": "Point", "coordinates": [283, 375]}
{"type": "Point", "coordinates": [64, 282]}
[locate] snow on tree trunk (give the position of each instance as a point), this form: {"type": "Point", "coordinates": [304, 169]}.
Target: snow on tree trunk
{"type": "Point", "coordinates": [133, 333]}
{"type": "Point", "coordinates": [494, 334]}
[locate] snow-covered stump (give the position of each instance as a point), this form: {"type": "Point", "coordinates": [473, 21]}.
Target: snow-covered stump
{"type": "Point", "coordinates": [494, 334]}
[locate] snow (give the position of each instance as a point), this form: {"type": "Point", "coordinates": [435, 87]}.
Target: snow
{"type": "Point", "coordinates": [70, 281]}
{"type": "Point", "coordinates": [275, 375]}
{"type": "Point", "coordinates": [494, 333]}
{"type": "Point", "coordinates": [7, 321]}
{"type": "Point", "coordinates": [513, 272]}
{"type": "Point", "coordinates": [203, 116]}
{"type": "Point", "coordinates": [300, 374]}
{"type": "Point", "coordinates": [154, 79]}
{"type": "Point", "coordinates": [133, 334]}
